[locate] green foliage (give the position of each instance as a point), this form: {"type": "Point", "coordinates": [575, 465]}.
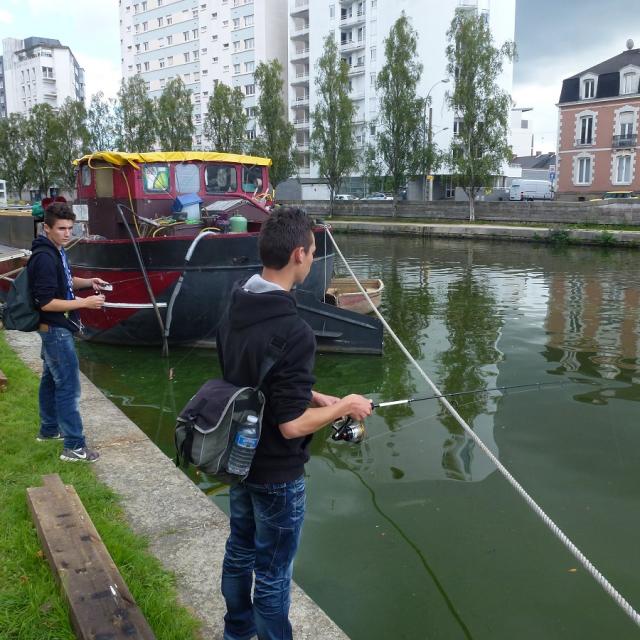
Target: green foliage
{"type": "Point", "coordinates": [31, 603]}
{"type": "Point", "coordinates": [101, 123]}
{"type": "Point", "coordinates": [71, 141]}
{"type": "Point", "coordinates": [137, 116]}
{"type": "Point", "coordinates": [607, 239]}
{"type": "Point", "coordinates": [42, 130]}
{"type": "Point", "coordinates": [475, 64]}
{"type": "Point", "coordinates": [275, 132]}
{"type": "Point", "coordinates": [559, 236]}
{"type": "Point", "coordinates": [15, 166]}
{"type": "Point", "coordinates": [332, 140]}
{"type": "Point", "coordinates": [372, 169]}
{"type": "Point", "coordinates": [175, 117]}
{"type": "Point", "coordinates": [226, 121]}
{"type": "Point", "coordinates": [400, 140]}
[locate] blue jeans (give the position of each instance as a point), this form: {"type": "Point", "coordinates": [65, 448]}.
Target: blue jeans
{"type": "Point", "coordinates": [60, 387]}
{"type": "Point", "coordinates": [266, 522]}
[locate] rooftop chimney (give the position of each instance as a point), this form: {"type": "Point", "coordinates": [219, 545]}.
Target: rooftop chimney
{"type": "Point", "coordinates": [630, 44]}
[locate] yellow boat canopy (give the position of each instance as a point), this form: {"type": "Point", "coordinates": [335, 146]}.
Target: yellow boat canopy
{"type": "Point", "coordinates": [134, 159]}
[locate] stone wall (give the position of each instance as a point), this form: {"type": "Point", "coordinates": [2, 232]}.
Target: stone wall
{"type": "Point", "coordinates": [603, 212]}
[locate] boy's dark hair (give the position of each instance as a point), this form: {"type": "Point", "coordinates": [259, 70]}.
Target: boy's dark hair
{"type": "Point", "coordinates": [58, 211]}
{"type": "Point", "coordinates": [286, 228]}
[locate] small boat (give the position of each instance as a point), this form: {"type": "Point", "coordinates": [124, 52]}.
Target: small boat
{"type": "Point", "coordinates": [345, 293]}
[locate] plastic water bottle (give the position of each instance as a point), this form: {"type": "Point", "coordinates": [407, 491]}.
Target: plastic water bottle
{"type": "Point", "coordinates": [244, 446]}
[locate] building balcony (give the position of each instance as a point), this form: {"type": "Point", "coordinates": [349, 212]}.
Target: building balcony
{"type": "Point", "coordinates": [300, 54]}
{"type": "Point", "coordinates": [300, 101]}
{"type": "Point", "coordinates": [47, 79]}
{"type": "Point", "coordinates": [349, 21]}
{"type": "Point", "coordinates": [300, 32]}
{"type": "Point", "coordinates": [352, 45]}
{"type": "Point", "coordinates": [357, 94]}
{"type": "Point", "coordinates": [301, 123]}
{"type": "Point", "coordinates": [300, 78]}
{"type": "Point", "coordinates": [298, 7]}
{"type": "Point", "coordinates": [304, 170]}
{"type": "Point", "coordinates": [302, 146]}
{"type": "Point", "coordinates": [625, 141]}
{"type": "Point", "coordinates": [584, 142]}
{"type": "Point", "coordinates": [356, 69]}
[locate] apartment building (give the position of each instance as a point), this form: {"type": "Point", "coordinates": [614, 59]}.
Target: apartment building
{"type": "Point", "coordinates": [360, 27]}
{"type": "Point", "coordinates": [598, 128]}
{"type": "Point", "coordinates": [204, 43]}
{"type": "Point", "coordinates": [37, 71]}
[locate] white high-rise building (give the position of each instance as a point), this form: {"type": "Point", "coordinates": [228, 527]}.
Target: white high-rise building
{"type": "Point", "coordinates": [204, 43]}
{"type": "Point", "coordinates": [360, 27]}
{"type": "Point", "coordinates": [38, 71]}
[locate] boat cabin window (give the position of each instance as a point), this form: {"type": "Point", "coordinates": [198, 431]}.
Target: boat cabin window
{"type": "Point", "coordinates": [85, 172]}
{"type": "Point", "coordinates": [155, 178]}
{"type": "Point", "coordinates": [220, 178]}
{"type": "Point", "coordinates": [187, 178]}
{"type": "Point", "coordinates": [252, 179]}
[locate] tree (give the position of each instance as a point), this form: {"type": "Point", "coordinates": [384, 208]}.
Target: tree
{"type": "Point", "coordinates": [372, 169]}
{"type": "Point", "coordinates": [226, 121]}
{"type": "Point", "coordinates": [275, 132]}
{"type": "Point", "coordinates": [482, 108]}
{"type": "Point", "coordinates": [101, 123]}
{"type": "Point", "coordinates": [332, 139]}
{"type": "Point", "coordinates": [72, 141]}
{"type": "Point", "coordinates": [137, 116]}
{"type": "Point", "coordinates": [42, 131]}
{"type": "Point", "coordinates": [15, 166]}
{"type": "Point", "coordinates": [175, 117]}
{"type": "Point", "coordinates": [401, 118]}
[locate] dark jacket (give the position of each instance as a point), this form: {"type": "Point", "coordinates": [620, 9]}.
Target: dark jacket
{"type": "Point", "coordinates": [47, 281]}
{"type": "Point", "coordinates": [243, 338]}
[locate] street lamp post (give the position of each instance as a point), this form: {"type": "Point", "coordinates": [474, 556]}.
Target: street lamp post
{"type": "Point", "coordinates": [430, 135]}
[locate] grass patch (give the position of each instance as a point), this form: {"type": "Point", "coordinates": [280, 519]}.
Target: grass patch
{"type": "Point", "coordinates": [31, 603]}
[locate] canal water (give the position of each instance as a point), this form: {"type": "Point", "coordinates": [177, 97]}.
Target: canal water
{"type": "Point", "coordinates": [414, 534]}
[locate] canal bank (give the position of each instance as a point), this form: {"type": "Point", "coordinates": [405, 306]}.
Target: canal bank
{"type": "Point", "coordinates": [557, 235]}
{"type": "Point", "coordinates": [185, 530]}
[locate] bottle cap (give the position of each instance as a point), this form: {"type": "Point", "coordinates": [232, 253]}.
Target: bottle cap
{"type": "Point", "coordinates": [252, 419]}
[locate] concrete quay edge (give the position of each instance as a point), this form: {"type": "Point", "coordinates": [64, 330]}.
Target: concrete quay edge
{"type": "Point", "coordinates": [486, 231]}
{"type": "Point", "coordinates": [186, 531]}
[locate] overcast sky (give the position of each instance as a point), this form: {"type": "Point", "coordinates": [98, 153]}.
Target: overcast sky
{"type": "Point", "coordinates": [555, 39]}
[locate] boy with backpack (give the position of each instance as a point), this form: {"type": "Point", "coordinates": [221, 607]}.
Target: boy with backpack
{"type": "Point", "coordinates": [267, 509]}
{"type": "Point", "coordinates": [52, 286]}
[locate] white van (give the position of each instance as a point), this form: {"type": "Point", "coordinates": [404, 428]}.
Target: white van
{"type": "Point", "coordinates": [530, 190]}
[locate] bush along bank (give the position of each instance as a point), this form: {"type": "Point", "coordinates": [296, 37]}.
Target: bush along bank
{"type": "Point", "coordinates": [32, 606]}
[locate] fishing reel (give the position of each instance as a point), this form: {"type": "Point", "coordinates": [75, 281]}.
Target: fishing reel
{"type": "Point", "coordinates": [347, 429]}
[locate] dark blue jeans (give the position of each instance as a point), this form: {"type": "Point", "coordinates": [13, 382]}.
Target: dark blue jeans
{"type": "Point", "coordinates": [60, 387]}
{"type": "Point", "coordinates": [266, 522]}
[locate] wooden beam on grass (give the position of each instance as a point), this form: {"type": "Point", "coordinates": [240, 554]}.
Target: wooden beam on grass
{"type": "Point", "coordinates": [99, 601]}
{"type": "Point", "coordinates": [3, 381]}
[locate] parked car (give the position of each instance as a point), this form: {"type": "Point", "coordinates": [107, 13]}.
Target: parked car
{"type": "Point", "coordinates": [530, 190]}
{"type": "Point", "coordinates": [377, 195]}
{"type": "Point", "coordinates": [345, 196]}
{"type": "Point", "coordinates": [617, 195]}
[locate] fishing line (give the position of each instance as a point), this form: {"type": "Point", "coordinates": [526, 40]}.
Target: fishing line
{"type": "Point", "coordinates": [555, 529]}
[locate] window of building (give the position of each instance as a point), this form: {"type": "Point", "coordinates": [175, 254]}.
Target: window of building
{"type": "Point", "coordinates": [225, 45]}
{"type": "Point", "coordinates": [146, 66]}
{"type": "Point", "coordinates": [47, 72]}
{"type": "Point", "coordinates": [155, 178]}
{"type": "Point", "coordinates": [251, 134]}
{"type": "Point", "coordinates": [196, 76]}
{"type": "Point", "coordinates": [457, 126]}
{"type": "Point", "coordinates": [185, 35]}
{"type": "Point", "coordinates": [169, 20]}
{"type": "Point", "coordinates": [373, 79]}
{"type": "Point", "coordinates": [187, 56]}
{"type": "Point", "coordinates": [249, 66]}
{"type": "Point", "coordinates": [145, 46]}
{"type": "Point", "coordinates": [236, 23]}
{"type": "Point", "coordinates": [626, 119]}
{"type": "Point", "coordinates": [161, 63]}
{"type": "Point", "coordinates": [136, 8]}
{"type": "Point", "coordinates": [586, 130]}
{"type": "Point", "coordinates": [187, 178]}
{"type": "Point", "coordinates": [249, 89]}
{"type": "Point", "coordinates": [170, 61]}
{"type": "Point", "coordinates": [332, 10]}
{"type": "Point", "coordinates": [214, 37]}
{"type": "Point", "coordinates": [159, 3]}
{"type": "Point", "coordinates": [584, 171]}
{"type": "Point", "coordinates": [195, 33]}
{"type": "Point", "coordinates": [214, 15]}
{"type": "Point", "coordinates": [187, 78]}
{"type": "Point", "coordinates": [214, 60]}
{"type": "Point", "coordinates": [160, 21]}
{"type": "Point", "coordinates": [588, 88]}
{"type": "Point", "coordinates": [144, 6]}
{"type": "Point", "coordinates": [248, 20]}
{"type": "Point", "coordinates": [138, 68]}
{"type": "Point", "coordinates": [630, 83]}
{"type": "Point", "coordinates": [250, 111]}
{"type": "Point", "coordinates": [248, 43]}
{"type": "Point", "coordinates": [623, 169]}
{"type": "Point", "coordinates": [169, 39]}
{"type": "Point", "coordinates": [196, 55]}
{"type": "Point", "coordinates": [373, 53]}
{"type": "Point", "coordinates": [145, 26]}
{"type": "Point", "coordinates": [136, 28]}
{"type": "Point", "coordinates": [220, 178]}
{"type": "Point", "coordinates": [236, 45]}
{"type": "Point", "coordinates": [204, 50]}
{"type": "Point", "coordinates": [203, 28]}
{"type": "Point", "coordinates": [195, 13]}
{"type": "Point", "coordinates": [236, 68]}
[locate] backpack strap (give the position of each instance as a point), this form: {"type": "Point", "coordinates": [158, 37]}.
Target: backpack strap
{"type": "Point", "coordinates": [275, 350]}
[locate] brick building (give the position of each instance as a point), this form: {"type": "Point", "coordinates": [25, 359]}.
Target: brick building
{"type": "Point", "coordinates": [598, 129]}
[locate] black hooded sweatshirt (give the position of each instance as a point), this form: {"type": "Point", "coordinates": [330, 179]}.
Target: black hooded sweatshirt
{"type": "Point", "coordinates": [243, 338]}
{"type": "Point", "coordinates": [47, 281]}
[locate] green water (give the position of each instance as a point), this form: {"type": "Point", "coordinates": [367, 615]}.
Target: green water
{"type": "Point", "coordinates": [414, 534]}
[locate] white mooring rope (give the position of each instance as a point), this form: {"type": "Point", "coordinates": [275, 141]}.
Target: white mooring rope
{"type": "Point", "coordinates": [584, 561]}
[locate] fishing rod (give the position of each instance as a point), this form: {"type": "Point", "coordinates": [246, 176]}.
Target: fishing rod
{"type": "Point", "coordinates": [347, 429]}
